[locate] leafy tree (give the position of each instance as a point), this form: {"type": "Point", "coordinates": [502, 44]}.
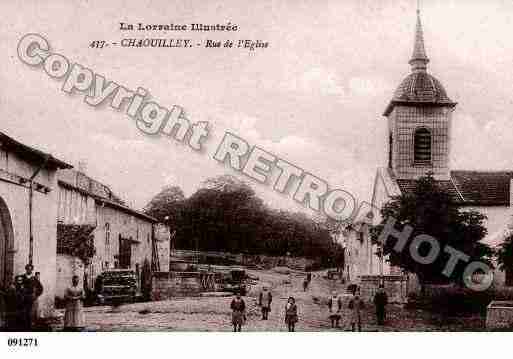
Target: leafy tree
{"type": "Point", "coordinates": [167, 203]}
{"type": "Point", "coordinates": [428, 209]}
{"type": "Point", "coordinates": [226, 215]}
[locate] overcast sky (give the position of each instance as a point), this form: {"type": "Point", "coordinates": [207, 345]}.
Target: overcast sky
{"type": "Point", "coordinates": [314, 97]}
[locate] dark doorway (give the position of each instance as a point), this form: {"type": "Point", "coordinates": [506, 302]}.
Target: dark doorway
{"type": "Point", "coordinates": [125, 252]}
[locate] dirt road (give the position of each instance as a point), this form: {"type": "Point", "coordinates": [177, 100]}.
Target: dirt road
{"type": "Point", "coordinates": [213, 313]}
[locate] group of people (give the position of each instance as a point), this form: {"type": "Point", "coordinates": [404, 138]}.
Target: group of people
{"type": "Point", "coordinates": [335, 306]}
{"type": "Point", "coordinates": [265, 298]}
{"type": "Point", "coordinates": [21, 301]}
{"type": "Point", "coordinates": [356, 305]}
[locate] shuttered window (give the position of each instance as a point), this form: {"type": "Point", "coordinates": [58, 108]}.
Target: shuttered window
{"type": "Point", "coordinates": [422, 146]}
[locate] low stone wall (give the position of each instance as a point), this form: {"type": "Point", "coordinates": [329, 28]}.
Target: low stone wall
{"type": "Point", "coordinates": [395, 286]}
{"type": "Point", "coordinates": [249, 260]}
{"type": "Point", "coordinates": [499, 315]}
{"type": "Point", "coordinates": [297, 263]}
{"type": "Point", "coordinates": [182, 284]}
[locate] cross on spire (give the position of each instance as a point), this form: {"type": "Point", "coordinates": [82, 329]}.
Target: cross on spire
{"type": "Point", "coordinates": [419, 59]}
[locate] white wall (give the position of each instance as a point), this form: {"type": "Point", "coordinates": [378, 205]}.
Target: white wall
{"type": "Point", "coordinates": [44, 224]}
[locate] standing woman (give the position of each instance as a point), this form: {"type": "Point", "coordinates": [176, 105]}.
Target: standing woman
{"type": "Point", "coordinates": [238, 312]}
{"type": "Point", "coordinates": [291, 317]}
{"type": "Point", "coordinates": [335, 307]}
{"type": "Point", "coordinates": [74, 318]}
{"type": "Point", "coordinates": [38, 290]}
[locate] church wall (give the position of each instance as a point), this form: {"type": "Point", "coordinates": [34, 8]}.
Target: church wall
{"type": "Point", "coordinates": [380, 196]}
{"type": "Point", "coordinates": [355, 256]}
{"type": "Point", "coordinates": [498, 218]}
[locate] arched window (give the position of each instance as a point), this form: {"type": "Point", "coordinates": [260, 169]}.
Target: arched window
{"type": "Point", "coordinates": [107, 238]}
{"type": "Point", "coordinates": [422, 146]}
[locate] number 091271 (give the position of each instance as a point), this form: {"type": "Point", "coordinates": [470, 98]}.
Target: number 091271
{"type": "Point", "coordinates": [22, 342]}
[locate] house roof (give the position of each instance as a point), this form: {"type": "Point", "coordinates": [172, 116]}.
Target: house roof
{"type": "Point", "coordinates": [473, 188]}
{"type": "Point", "coordinates": [30, 153]}
{"type": "Point", "coordinates": [79, 180]}
{"type": "Point", "coordinates": [108, 202]}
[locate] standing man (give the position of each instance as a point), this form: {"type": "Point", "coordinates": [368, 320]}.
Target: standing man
{"type": "Point", "coordinates": [380, 301]}
{"type": "Point", "coordinates": [32, 289]}
{"type": "Point", "coordinates": [264, 301]}
{"type": "Point", "coordinates": [307, 281]}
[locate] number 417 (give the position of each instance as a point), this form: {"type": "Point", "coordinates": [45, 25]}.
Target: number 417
{"type": "Point", "coordinates": [97, 44]}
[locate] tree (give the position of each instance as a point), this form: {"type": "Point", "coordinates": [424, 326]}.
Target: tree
{"type": "Point", "coordinates": [505, 258]}
{"type": "Point", "coordinates": [226, 215]}
{"type": "Point", "coordinates": [429, 210]}
{"type": "Point", "coordinates": [167, 203]}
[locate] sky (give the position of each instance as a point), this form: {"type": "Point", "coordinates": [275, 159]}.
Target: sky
{"type": "Point", "coordinates": [314, 97]}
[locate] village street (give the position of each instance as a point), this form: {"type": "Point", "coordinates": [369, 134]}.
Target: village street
{"type": "Point", "coordinates": [213, 313]}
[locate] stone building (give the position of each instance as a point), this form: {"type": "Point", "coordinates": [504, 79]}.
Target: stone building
{"type": "Point", "coordinates": [89, 211]}
{"type": "Point", "coordinates": [28, 208]}
{"type": "Point", "coordinates": [419, 118]}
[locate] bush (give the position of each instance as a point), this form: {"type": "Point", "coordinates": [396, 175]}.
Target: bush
{"type": "Point", "coordinates": [457, 301]}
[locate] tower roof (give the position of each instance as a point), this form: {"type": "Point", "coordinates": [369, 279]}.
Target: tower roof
{"type": "Point", "coordinates": [419, 59]}
{"type": "Point", "coordinates": [419, 87]}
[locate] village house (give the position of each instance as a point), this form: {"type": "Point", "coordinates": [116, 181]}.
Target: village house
{"type": "Point", "coordinates": [90, 216]}
{"type": "Point", "coordinates": [419, 141]}
{"type": "Point", "coordinates": [28, 208]}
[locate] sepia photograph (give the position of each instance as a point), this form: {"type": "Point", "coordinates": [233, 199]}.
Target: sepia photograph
{"type": "Point", "coordinates": [333, 166]}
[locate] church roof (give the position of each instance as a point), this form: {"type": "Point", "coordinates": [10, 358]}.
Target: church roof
{"type": "Point", "coordinates": [419, 87]}
{"type": "Point", "coordinates": [473, 188]}
{"type": "Point", "coordinates": [408, 185]}
{"type": "Point", "coordinates": [483, 187]}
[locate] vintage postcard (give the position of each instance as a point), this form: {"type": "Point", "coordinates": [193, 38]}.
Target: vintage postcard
{"type": "Point", "coordinates": [255, 166]}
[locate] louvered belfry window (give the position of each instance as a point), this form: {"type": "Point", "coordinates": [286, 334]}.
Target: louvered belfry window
{"type": "Point", "coordinates": [422, 146]}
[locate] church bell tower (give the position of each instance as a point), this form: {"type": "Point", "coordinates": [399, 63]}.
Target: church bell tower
{"type": "Point", "coordinates": [419, 120]}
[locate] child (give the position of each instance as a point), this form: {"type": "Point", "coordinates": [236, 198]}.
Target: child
{"type": "Point", "coordinates": [335, 316]}
{"type": "Point", "coordinates": [291, 317]}
{"type": "Point", "coordinates": [356, 305]}
{"type": "Point", "coordinates": [238, 312]}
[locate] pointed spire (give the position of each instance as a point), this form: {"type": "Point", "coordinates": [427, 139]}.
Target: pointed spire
{"type": "Point", "coordinates": [419, 59]}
